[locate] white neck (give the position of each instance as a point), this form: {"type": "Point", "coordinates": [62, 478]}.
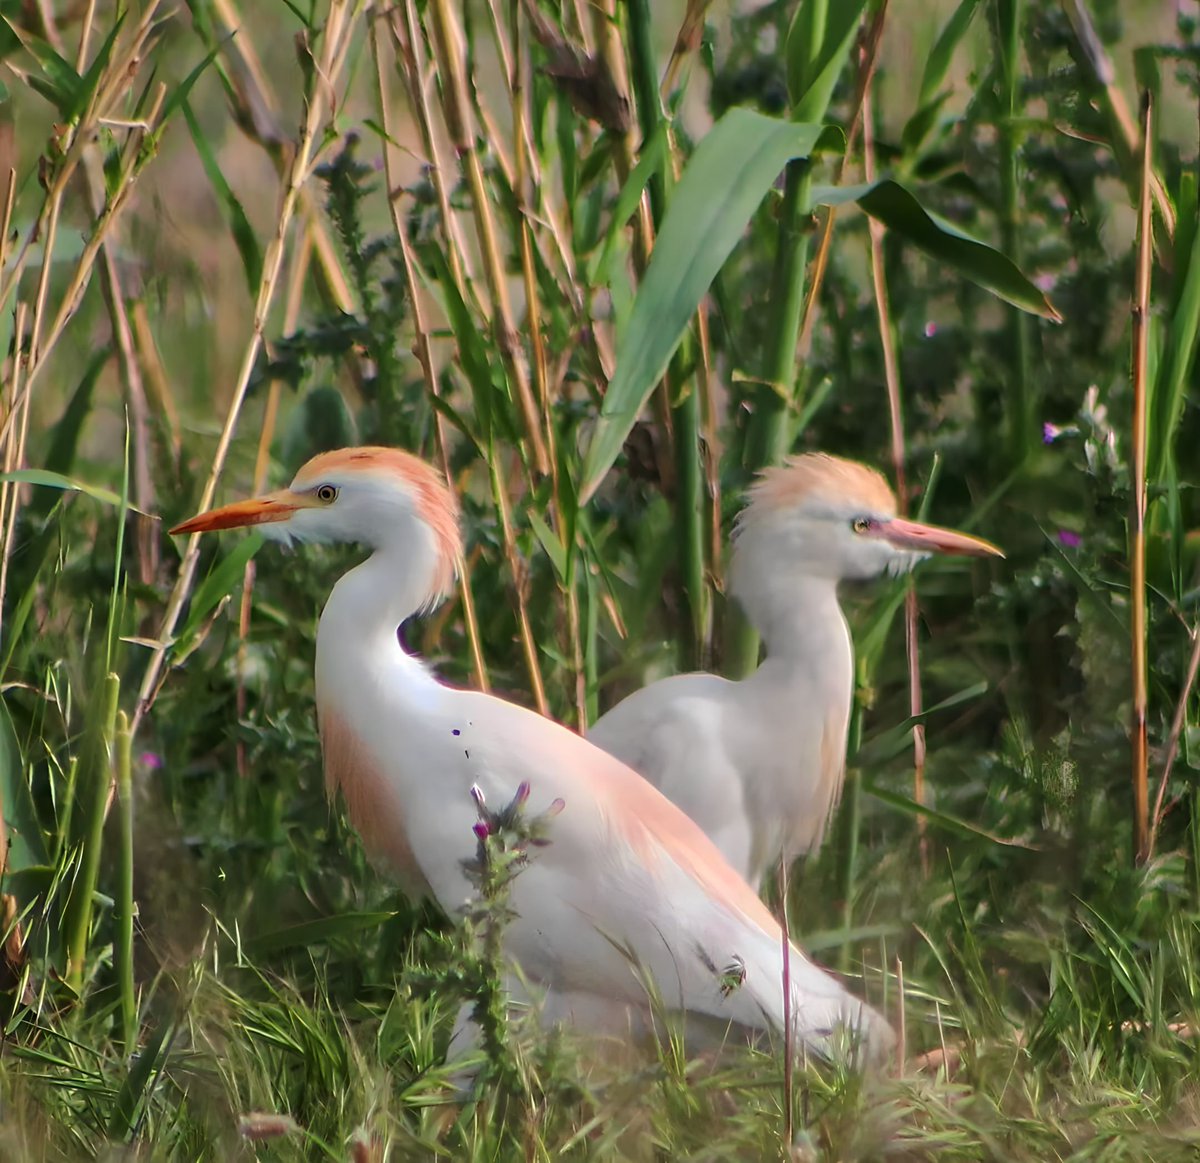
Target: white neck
{"type": "Point", "coordinates": [369, 603]}
{"type": "Point", "coordinates": [804, 623]}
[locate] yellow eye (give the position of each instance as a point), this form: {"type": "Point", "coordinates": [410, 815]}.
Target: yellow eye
{"type": "Point", "coordinates": [326, 494]}
{"type": "Point", "coordinates": [861, 524]}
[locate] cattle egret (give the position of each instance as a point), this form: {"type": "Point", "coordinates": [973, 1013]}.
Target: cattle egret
{"type": "Point", "coordinates": [627, 886]}
{"type": "Point", "coordinates": [759, 763]}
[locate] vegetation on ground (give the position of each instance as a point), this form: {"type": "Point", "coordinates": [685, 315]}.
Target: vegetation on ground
{"type": "Point", "coordinates": [600, 262]}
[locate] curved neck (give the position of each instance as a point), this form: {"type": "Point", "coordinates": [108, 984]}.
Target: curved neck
{"type": "Point", "coordinates": [374, 598]}
{"type": "Point", "coordinates": [803, 620]}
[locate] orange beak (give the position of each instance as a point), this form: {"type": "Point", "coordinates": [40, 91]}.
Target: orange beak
{"type": "Point", "coordinates": [918, 538]}
{"type": "Point", "coordinates": [259, 511]}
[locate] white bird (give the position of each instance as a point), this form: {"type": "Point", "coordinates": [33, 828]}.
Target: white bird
{"type": "Point", "coordinates": [628, 885]}
{"type": "Point", "coordinates": [759, 764]}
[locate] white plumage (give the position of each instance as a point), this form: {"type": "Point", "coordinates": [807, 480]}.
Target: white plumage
{"type": "Point", "coordinates": [759, 763]}
{"type": "Point", "coordinates": [627, 886]}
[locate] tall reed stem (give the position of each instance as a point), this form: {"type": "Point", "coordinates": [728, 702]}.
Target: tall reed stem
{"type": "Point", "coordinates": [94, 780]}
{"type": "Point", "coordinates": [1137, 518]}
{"type": "Point", "coordinates": [1022, 405]}
{"type": "Point", "coordinates": [124, 910]}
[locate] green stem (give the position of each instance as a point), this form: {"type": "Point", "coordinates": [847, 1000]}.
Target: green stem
{"type": "Point", "coordinates": [1023, 400]}
{"type": "Point", "coordinates": [768, 438]}
{"type": "Point", "coordinates": [95, 778]}
{"type": "Point", "coordinates": [123, 937]}
{"type": "Point", "coordinates": [848, 817]}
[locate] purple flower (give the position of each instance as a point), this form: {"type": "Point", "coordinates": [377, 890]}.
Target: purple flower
{"type": "Point", "coordinates": [1050, 433]}
{"type": "Point", "coordinates": [477, 796]}
{"type": "Point", "coordinates": [482, 829]}
{"type": "Point", "coordinates": [522, 794]}
{"type": "Point", "coordinates": [1069, 538]}
{"type": "Point", "coordinates": [150, 760]}
{"type": "Point", "coordinates": [930, 329]}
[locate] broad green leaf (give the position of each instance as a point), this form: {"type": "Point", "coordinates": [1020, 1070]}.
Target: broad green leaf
{"type": "Point", "coordinates": [183, 90]}
{"type": "Point", "coordinates": [323, 929]}
{"type": "Point", "coordinates": [64, 437]}
{"type": "Point", "coordinates": [320, 423]}
{"type": "Point", "coordinates": [25, 843]}
{"type": "Point", "coordinates": [937, 65]}
{"type": "Point", "coordinates": [123, 1121]}
{"type": "Point", "coordinates": [88, 82]}
{"type": "Point", "coordinates": [239, 225]}
{"type": "Point", "coordinates": [653, 155]}
{"type": "Point", "coordinates": [898, 209]}
{"type": "Point", "coordinates": [219, 584]}
{"type": "Point", "coordinates": [917, 128]}
{"type": "Point", "coordinates": [818, 47]}
{"type": "Point", "coordinates": [56, 480]}
{"type": "Point", "coordinates": [941, 819]}
{"type": "Point", "coordinates": [472, 351]}
{"type": "Point", "coordinates": [723, 184]}
{"type": "Point", "coordinates": [1175, 365]}
{"type": "Point", "coordinates": [890, 743]}
{"type": "Point", "coordinates": [825, 939]}
{"type": "Point", "coordinates": [550, 544]}
{"type": "Point", "coordinates": [59, 83]}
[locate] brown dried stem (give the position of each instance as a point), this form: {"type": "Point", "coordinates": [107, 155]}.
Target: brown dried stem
{"type": "Point", "coordinates": [335, 44]}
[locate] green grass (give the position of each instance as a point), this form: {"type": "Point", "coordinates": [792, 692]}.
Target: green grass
{"type": "Point", "coordinates": [199, 961]}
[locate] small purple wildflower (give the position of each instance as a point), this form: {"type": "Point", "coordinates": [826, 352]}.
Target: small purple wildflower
{"type": "Point", "coordinates": [1069, 538]}
{"type": "Point", "coordinates": [482, 829]}
{"type": "Point", "coordinates": [930, 329]}
{"type": "Point", "coordinates": [477, 796]}
{"type": "Point", "coordinates": [1050, 432]}
{"type": "Point", "coordinates": [150, 760]}
{"type": "Point", "coordinates": [522, 794]}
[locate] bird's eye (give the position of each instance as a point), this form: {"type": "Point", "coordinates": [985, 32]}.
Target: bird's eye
{"type": "Point", "coordinates": [326, 494]}
{"type": "Point", "coordinates": [861, 524]}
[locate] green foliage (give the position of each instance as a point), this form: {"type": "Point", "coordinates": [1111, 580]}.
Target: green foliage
{"type": "Point", "coordinates": [214, 970]}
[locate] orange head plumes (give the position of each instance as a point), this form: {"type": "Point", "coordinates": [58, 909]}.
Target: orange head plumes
{"type": "Point", "coordinates": [381, 497]}
{"type": "Point", "coordinates": [826, 517]}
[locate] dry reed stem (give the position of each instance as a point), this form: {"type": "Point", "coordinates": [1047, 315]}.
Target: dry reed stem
{"type": "Point", "coordinates": [335, 45]}
{"type": "Point", "coordinates": [1177, 725]}
{"type": "Point", "coordinates": [687, 40]}
{"type": "Point", "coordinates": [259, 119]}
{"type": "Point", "coordinates": [10, 196]}
{"type": "Point", "coordinates": [1137, 545]}
{"type": "Point", "coordinates": [108, 93]}
{"type": "Point", "coordinates": [874, 37]}
{"type": "Point", "coordinates": [154, 375]}
{"type": "Point", "coordinates": [421, 345]}
{"type": "Point", "coordinates": [891, 367]}
{"type": "Point", "coordinates": [455, 102]}
{"type": "Point", "coordinates": [124, 65]}
{"type": "Point", "coordinates": [1101, 65]}
{"type": "Point", "coordinates": [522, 186]}
{"type": "Point", "coordinates": [608, 37]}
{"type": "Point", "coordinates": [18, 405]}
{"type": "Point", "coordinates": [456, 108]}
{"type": "Point", "coordinates": [146, 538]}
{"type": "Point", "coordinates": [516, 568]}
{"type": "Point", "coordinates": [293, 301]}
{"type": "Point", "coordinates": [411, 54]}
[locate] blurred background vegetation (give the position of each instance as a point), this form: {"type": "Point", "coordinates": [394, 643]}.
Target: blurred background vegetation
{"type": "Point", "coordinates": [233, 238]}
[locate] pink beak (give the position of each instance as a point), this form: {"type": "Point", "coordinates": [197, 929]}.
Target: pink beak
{"type": "Point", "coordinates": [918, 538]}
{"type": "Point", "coordinates": [259, 511]}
